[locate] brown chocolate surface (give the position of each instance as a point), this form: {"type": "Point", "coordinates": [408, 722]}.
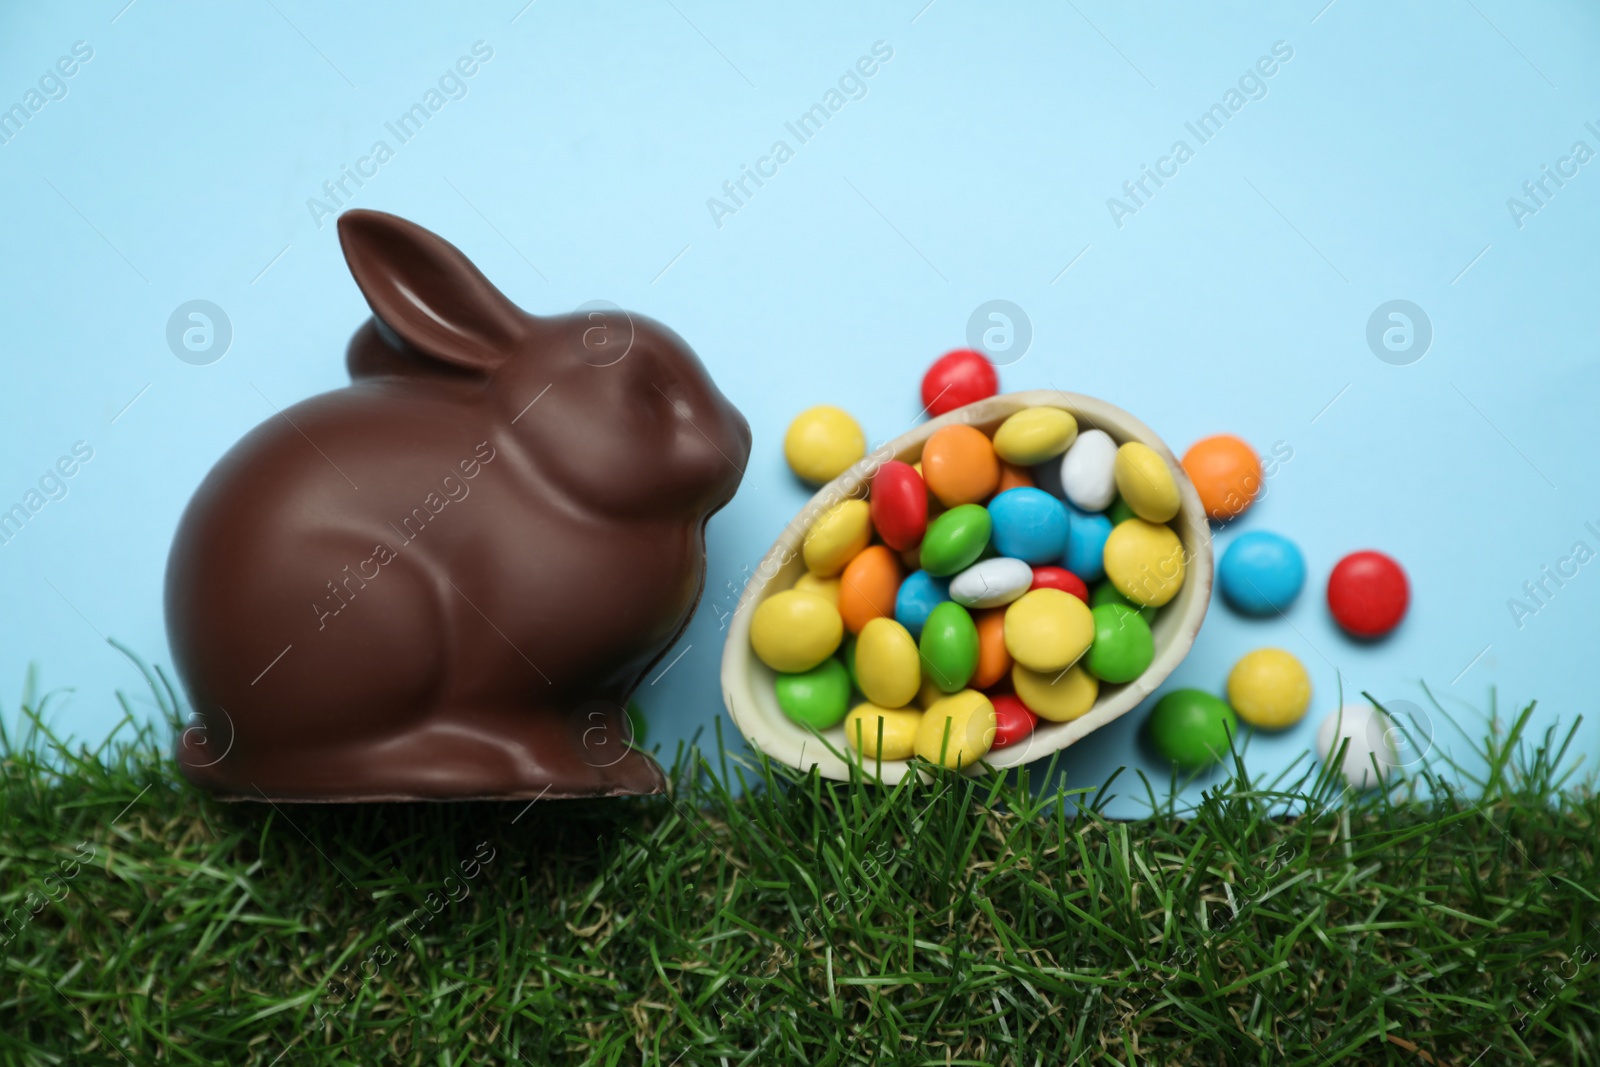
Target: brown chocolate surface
{"type": "Point", "coordinates": [444, 580]}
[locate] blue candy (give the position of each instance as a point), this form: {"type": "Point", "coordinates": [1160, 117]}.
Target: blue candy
{"type": "Point", "coordinates": [1261, 573]}
{"type": "Point", "coordinates": [919, 594]}
{"type": "Point", "coordinates": [1028, 524]}
{"type": "Point", "coordinates": [1086, 545]}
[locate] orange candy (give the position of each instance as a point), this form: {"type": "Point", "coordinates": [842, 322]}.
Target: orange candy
{"type": "Point", "coordinates": [1014, 477]}
{"type": "Point", "coordinates": [868, 586]}
{"type": "Point", "coordinates": [1226, 472]}
{"type": "Point", "coordinates": [959, 465]}
{"type": "Point", "coordinates": [994, 662]}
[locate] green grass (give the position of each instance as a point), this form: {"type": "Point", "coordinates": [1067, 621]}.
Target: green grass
{"type": "Point", "coordinates": [955, 922]}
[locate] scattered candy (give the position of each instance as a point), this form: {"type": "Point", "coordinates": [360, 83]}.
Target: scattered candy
{"type": "Point", "coordinates": [991, 583]}
{"type": "Point", "coordinates": [792, 631]}
{"type": "Point", "coordinates": [879, 733]}
{"type": "Point", "coordinates": [1048, 630]}
{"type": "Point", "coordinates": [1226, 472]}
{"type": "Point", "coordinates": [1014, 477]}
{"type": "Point", "coordinates": [1370, 754]}
{"type": "Point", "coordinates": [1088, 471]}
{"type": "Point", "coordinates": [1145, 483]}
{"type": "Point", "coordinates": [1062, 579]}
{"type": "Point", "coordinates": [1034, 435]}
{"type": "Point", "coordinates": [957, 731]}
{"type": "Point", "coordinates": [994, 661]}
{"type": "Point", "coordinates": [835, 538]}
{"type": "Point", "coordinates": [1086, 545]}
{"type": "Point", "coordinates": [955, 540]}
{"type": "Point", "coordinates": [1059, 696]}
{"type": "Point", "coordinates": [1269, 688]}
{"type": "Point", "coordinates": [1106, 593]}
{"type": "Point", "coordinates": [1368, 594]}
{"type": "Point", "coordinates": [1122, 646]}
{"type": "Point", "coordinates": [868, 587]}
{"type": "Point", "coordinates": [1012, 720]}
{"type": "Point", "coordinates": [959, 465]}
{"type": "Point", "coordinates": [818, 698]}
{"type": "Point", "coordinates": [1192, 728]}
{"type": "Point", "coordinates": [826, 588]}
{"type": "Point", "coordinates": [898, 506]}
{"type": "Point", "coordinates": [888, 667]}
{"type": "Point", "coordinates": [1145, 562]}
{"type": "Point", "coordinates": [949, 647]}
{"type": "Point", "coordinates": [822, 442]}
{"type": "Point", "coordinates": [957, 379]}
{"type": "Point", "coordinates": [1029, 524]}
{"type": "Point", "coordinates": [919, 594]}
{"type": "Point", "coordinates": [1261, 573]}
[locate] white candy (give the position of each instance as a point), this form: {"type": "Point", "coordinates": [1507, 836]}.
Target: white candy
{"type": "Point", "coordinates": [1368, 731]}
{"type": "Point", "coordinates": [1088, 471]}
{"type": "Point", "coordinates": [991, 583]}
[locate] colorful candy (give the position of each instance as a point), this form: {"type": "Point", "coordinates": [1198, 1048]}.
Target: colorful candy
{"type": "Point", "coordinates": [957, 379]}
{"type": "Point", "coordinates": [888, 667]}
{"type": "Point", "coordinates": [1062, 579]}
{"type": "Point", "coordinates": [1014, 477]}
{"type": "Point", "coordinates": [1059, 696]}
{"type": "Point", "coordinates": [818, 698]}
{"type": "Point", "coordinates": [1368, 594]}
{"type": "Point", "coordinates": [1029, 524]}
{"type": "Point", "coordinates": [949, 647]}
{"type": "Point", "coordinates": [1122, 648]}
{"type": "Point", "coordinates": [1086, 545]}
{"type": "Point", "coordinates": [919, 594]}
{"type": "Point", "coordinates": [881, 733]}
{"type": "Point", "coordinates": [955, 540]}
{"type": "Point", "coordinates": [1048, 630]}
{"type": "Point", "coordinates": [898, 505]}
{"type": "Point", "coordinates": [1145, 561]}
{"type": "Point", "coordinates": [836, 537]}
{"type": "Point", "coordinates": [994, 661]}
{"type": "Point", "coordinates": [957, 731]}
{"type": "Point", "coordinates": [1192, 728]}
{"type": "Point", "coordinates": [1226, 472]}
{"type": "Point", "coordinates": [1034, 435]}
{"type": "Point", "coordinates": [1145, 483]}
{"type": "Point", "coordinates": [1261, 573]}
{"type": "Point", "coordinates": [991, 582]}
{"type": "Point", "coordinates": [1088, 471]}
{"type": "Point", "coordinates": [959, 465]}
{"type": "Point", "coordinates": [1269, 688]}
{"type": "Point", "coordinates": [822, 442]}
{"type": "Point", "coordinates": [826, 588]}
{"type": "Point", "coordinates": [1370, 753]}
{"type": "Point", "coordinates": [1106, 593]}
{"type": "Point", "coordinates": [1012, 720]}
{"type": "Point", "coordinates": [868, 587]}
{"type": "Point", "coordinates": [792, 631]}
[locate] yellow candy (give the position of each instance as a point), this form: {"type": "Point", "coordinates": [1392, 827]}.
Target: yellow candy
{"type": "Point", "coordinates": [1269, 688]}
{"type": "Point", "coordinates": [826, 588]}
{"type": "Point", "coordinates": [929, 693]}
{"type": "Point", "coordinates": [793, 631]}
{"type": "Point", "coordinates": [888, 668]}
{"type": "Point", "coordinates": [837, 537]}
{"type": "Point", "coordinates": [1034, 435]}
{"type": "Point", "coordinates": [899, 728]}
{"type": "Point", "coordinates": [1144, 561]}
{"type": "Point", "coordinates": [822, 443]}
{"type": "Point", "coordinates": [1055, 695]}
{"type": "Point", "coordinates": [1048, 629]}
{"type": "Point", "coordinates": [1146, 482]}
{"type": "Point", "coordinates": [957, 730]}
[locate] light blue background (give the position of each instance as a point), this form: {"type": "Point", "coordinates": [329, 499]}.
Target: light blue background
{"type": "Point", "coordinates": [978, 166]}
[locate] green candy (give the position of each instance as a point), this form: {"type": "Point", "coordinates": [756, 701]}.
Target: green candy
{"type": "Point", "coordinates": [1192, 728]}
{"type": "Point", "coordinates": [1120, 511]}
{"type": "Point", "coordinates": [636, 726]}
{"type": "Point", "coordinates": [949, 647]}
{"type": "Point", "coordinates": [1122, 647]}
{"type": "Point", "coordinates": [955, 540]}
{"type": "Point", "coordinates": [818, 698]}
{"type": "Point", "coordinates": [849, 655]}
{"type": "Point", "coordinates": [1106, 593]}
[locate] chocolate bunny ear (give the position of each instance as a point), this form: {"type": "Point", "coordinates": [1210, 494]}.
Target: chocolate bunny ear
{"type": "Point", "coordinates": [423, 289]}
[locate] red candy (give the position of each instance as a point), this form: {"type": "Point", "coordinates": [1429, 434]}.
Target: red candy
{"type": "Point", "coordinates": [899, 505]}
{"type": "Point", "coordinates": [1368, 594]}
{"type": "Point", "coordinates": [1012, 721]}
{"type": "Point", "coordinates": [956, 379]}
{"type": "Point", "coordinates": [1059, 578]}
